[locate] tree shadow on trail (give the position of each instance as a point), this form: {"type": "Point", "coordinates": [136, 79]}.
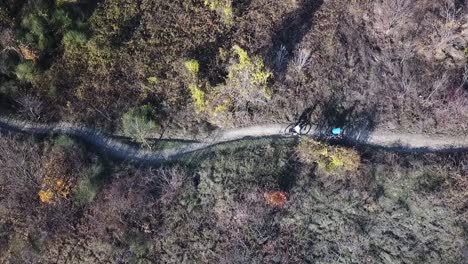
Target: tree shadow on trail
{"type": "Point", "coordinates": [356, 122]}
{"type": "Point", "coordinates": [290, 33]}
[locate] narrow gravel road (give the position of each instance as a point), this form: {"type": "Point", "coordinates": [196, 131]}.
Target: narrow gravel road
{"type": "Point", "coordinates": [116, 148]}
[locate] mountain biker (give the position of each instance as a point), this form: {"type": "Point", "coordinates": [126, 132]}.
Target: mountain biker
{"type": "Point", "coordinates": [303, 122]}
{"type": "Point", "coordinates": [337, 132]}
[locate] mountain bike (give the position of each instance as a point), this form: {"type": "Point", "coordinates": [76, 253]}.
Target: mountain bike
{"type": "Point", "coordinates": [304, 128]}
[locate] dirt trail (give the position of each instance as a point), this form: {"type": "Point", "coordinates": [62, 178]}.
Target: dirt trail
{"type": "Point", "coordinates": [116, 148]}
{"type": "Point", "coordinates": [376, 138]}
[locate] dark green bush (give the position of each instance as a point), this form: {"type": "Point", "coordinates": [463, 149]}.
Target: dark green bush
{"type": "Point", "coordinates": [35, 26]}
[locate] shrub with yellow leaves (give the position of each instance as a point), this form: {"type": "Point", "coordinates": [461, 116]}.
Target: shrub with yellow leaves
{"type": "Point", "coordinates": [246, 83]}
{"type": "Point", "coordinates": [198, 97]}
{"type": "Point", "coordinates": [193, 67]}
{"type": "Point", "coordinates": [223, 8]}
{"type": "Point", "coordinates": [329, 159]}
{"type": "Point", "coordinates": [246, 86]}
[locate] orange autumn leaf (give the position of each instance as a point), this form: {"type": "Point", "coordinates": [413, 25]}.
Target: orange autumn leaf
{"type": "Point", "coordinates": [46, 197]}
{"type": "Point", "coordinates": [276, 199]}
{"type": "Point", "coordinates": [28, 53]}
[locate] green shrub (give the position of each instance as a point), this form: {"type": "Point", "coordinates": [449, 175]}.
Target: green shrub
{"type": "Point", "coordinates": [87, 186]}
{"type": "Point", "coordinates": [35, 26]}
{"type": "Point", "coordinates": [72, 41]}
{"type": "Point", "coordinates": [60, 20]}
{"type": "Point", "coordinates": [26, 71]}
{"type": "Point", "coordinates": [431, 181]}
{"type": "Point", "coordinates": [64, 141]}
{"type": "Point", "coordinates": [246, 86]}
{"type": "Point", "coordinates": [137, 244]}
{"type": "Point", "coordinates": [138, 123]}
{"type": "Point", "coordinates": [43, 27]}
{"type": "Point", "coordinates": [96, 57]}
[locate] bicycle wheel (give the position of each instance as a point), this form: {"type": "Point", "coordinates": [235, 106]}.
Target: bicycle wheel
{"type": "Point", "coordinates": [288, 129]}
{"type": "Point", "coordinates": [305, 129]}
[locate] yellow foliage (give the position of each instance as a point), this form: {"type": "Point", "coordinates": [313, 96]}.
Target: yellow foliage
{"type": "Point", "coordinates": [212, 4]}
{"type": "Point", "coordinates": [152, 80]}
{"type": "Point", "coordinates": [223, 8]}
{"type": "Point", "coordinates": [28, 53]}
{"type": "Point", "coordinates": [223, 107]}
{"type": "Point", "coordinates": [60, 183]}
{"type": "Point", "coordinates": [260, 76]}
{"type": "Point", "coordinates": [256, 68]}
{"type": "Point", "coordinates": [244, 59]}
{"type": "Point", "coordinates": [46, 197]}
{"type": "Point", "coordinates": [329, 159]}
{"type": "Point", "coordinates": [236, 90]}
{"type": "Point", "coordinates": [198, 97]}
{"type": "Point", "coordinates": [227, 10]}
{"type": "Point", "coordinates": [53, 188]}
{"type": "Point", "coordinates": [56, 183]}
{"type": "Point", "coordinates": [192, 66]}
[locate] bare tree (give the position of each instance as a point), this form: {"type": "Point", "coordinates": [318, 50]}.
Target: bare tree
{"type": "Point", "coordinates": [464, 80]}
{"type": "Point", "coordinates": [171, 182]}
{"type": "Point", "coordinates": [390, 13]}
{"type": "Point", "coordinates": [438, 84]}
{"type": "Point", "coordinates": [301, 59]}
{"type": "Point", "coordinates": [281, 58]}
{"type": "Point", "coordinates": [447, 29]}
{"type": "Point", "coordinates": [20, 164]}
{"type": "Point", "coordinates": [30, 106]}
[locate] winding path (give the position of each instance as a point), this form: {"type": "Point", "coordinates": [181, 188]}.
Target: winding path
{"type": "Point", "coordinates": [117, 149]}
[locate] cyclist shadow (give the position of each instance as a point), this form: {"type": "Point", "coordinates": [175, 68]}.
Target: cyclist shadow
{"type": "Point", "coordinates": [357, 122]}
{"type": "Point", "coordinates": [306, 115]}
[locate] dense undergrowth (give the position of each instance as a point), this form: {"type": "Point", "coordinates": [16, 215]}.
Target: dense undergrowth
{"type": "Point", "coordinates": [267, 201]}
{"type": "Point", "coordinates": [142, 68]}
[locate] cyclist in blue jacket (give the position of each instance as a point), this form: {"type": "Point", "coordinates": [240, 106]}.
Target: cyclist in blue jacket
{"type": "Point", "coordinates": [337, 132]}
